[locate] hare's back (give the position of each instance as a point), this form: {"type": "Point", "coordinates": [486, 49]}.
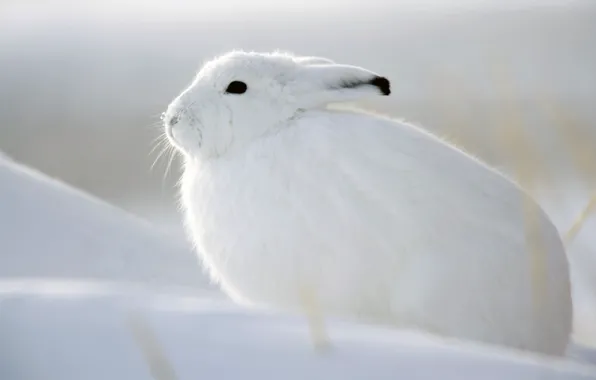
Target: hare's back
{"type": "Point", "coordinates": [433, 191]}
{"type": "Point", "coordinates": [419, 173]}
{"type": "Point", "coordinates": [465, 225]}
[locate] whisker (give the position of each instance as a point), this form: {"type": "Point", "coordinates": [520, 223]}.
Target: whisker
{"type": "Point", "coordinates": [157, 115]}
{"type": "Point", "coordinates": [156, 144]}
{"type": "Point", "coordinates": [165, 148]}
{"type": "Point", "coordinates": [159, 141]}
{"type": "Point", "coordinates": [155, 124]}
{"type": "Point", "coordinates": [172, 156]}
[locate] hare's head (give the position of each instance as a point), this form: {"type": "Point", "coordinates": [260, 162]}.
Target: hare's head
{"type": "Point", "coordinates": [242, 95]}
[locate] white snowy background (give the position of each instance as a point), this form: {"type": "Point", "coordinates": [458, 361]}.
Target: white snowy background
{"type": "Point", "coordinates": [100, 283]}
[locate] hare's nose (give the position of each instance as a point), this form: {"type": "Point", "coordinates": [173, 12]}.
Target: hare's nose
{"type": "Point", "coordinates": [171, 121]}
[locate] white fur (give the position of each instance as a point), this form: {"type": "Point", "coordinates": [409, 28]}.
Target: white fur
{"type": "Point", "coordinates": [388, 223]}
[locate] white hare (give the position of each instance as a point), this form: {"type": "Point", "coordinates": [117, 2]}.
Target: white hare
{"type": "Point", "coordinates": [387, 223]}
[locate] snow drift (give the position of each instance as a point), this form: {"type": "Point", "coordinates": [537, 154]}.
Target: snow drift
{"type": "Point", "coordinates": [48, 229]}
{"type": "Point", "coordinates": [74, 330]}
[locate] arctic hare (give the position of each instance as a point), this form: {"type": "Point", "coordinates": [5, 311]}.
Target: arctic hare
{"type": "Point", "coordinates": [387, 223]}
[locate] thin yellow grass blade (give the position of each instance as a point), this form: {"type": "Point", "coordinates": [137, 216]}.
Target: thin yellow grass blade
{"type": "Point", "coordinates": [582, 153]}
{"type": "Point", "coordinates": [512, 139]}
{"type": "Point", "coordinates": [580, 220]}
{"type": "Point", "coordinates": [159, 365]}
{"type": "Point", "coordinates": [315, 318]}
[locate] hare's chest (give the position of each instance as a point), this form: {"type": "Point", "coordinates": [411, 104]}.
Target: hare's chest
{"type": "Point", "coordinates": [252, 232]}
{"type": "Point", "coordinates": [268, 234]}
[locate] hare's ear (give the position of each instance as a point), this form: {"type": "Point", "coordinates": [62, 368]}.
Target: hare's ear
{"type": "Point", "coordinates": [313, 60]}
{"type": "Point", "coordinates": [320, 84]}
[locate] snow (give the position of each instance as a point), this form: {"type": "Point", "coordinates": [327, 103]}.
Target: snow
{"type": "Point", "coordinates": [581, 251]}
{"type": "Point", "coordinates": [93, 331]}
{"type": "Point", "coordinates": [48, 229]}
{"type": "Point", "coordinates": [88, 291]}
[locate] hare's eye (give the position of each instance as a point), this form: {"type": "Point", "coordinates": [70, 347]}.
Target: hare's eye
{"type": "Point", "coordinates": [236, 87]}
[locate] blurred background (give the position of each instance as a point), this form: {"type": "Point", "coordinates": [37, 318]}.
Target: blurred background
{"type": "Point", "coordinates": [82, 85]}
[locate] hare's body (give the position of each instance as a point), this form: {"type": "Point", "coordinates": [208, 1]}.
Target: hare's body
{"type": "Point", "coordinates": [379, 220]}
{"type": "Point", "coordinates": [385, 223]}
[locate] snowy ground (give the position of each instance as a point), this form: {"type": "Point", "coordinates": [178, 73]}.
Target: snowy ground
{"type": "Point", "coordinates": [90, 292]}
{"type": "Point", "coordinates": [49, 229]}
{"type": "Point", "coordinates": [73, 330]}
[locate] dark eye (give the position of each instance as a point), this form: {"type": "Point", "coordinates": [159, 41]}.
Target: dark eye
{"type": "Point", "coordinates": [236, 87]}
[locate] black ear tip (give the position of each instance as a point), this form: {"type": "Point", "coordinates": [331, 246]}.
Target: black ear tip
{"type": "Point", "coordinates": [382, 84]}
